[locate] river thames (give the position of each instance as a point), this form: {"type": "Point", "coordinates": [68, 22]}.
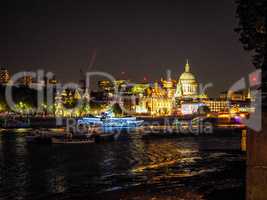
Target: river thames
{"type": "Point", "coordinates": [134, 168]}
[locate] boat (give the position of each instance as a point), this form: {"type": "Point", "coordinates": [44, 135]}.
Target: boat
{"type": "Point", "coordinates": [42, 136]}
{"type": "Point", "coordinates": [63, 141]}
{"type": "Point", "coordinates": [31, 138]}
{"type": "Point", "coordinates": [14, 123]}
{"type": "Point", "coordinates": [104, 137]}
{"type": "Point", "coordinates": [70, 139]}
{"type": "Point", "coordinates": [38, 139]}
{"type": "Point", "coordinates": [107, 119]}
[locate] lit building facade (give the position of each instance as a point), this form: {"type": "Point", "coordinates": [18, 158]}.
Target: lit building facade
{"type": "Point", "coordinates": [53, 81]}
{"type": "Point", "coordinates": [26, 80]}
{"type": "Point", "coordinates": [169, 86]}
{"type": "Point", "coordinates": [4, 75]}
{"type": "Point", "coordinates": [156, 101]}
{"type": "Point", "coordinates": [109, 86]}
{"type": "Point", "coordinates": [221, 105]}
{"type": "Point", "coordinates": [187, 86]}
{"type": "Point", "coordinates": [236, 95]}
{"type": "Point", "coordinates": [65, 103]}
{"type": "Point", "coordinates": [217, 105]}
{"type": "Point", "coordinates": [105, 85]}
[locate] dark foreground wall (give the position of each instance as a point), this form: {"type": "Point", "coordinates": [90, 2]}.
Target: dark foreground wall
{"type": "Point", "coordinates": [257, 164]}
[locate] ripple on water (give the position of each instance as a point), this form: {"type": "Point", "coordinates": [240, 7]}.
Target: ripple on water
{"type": "Point", "coordinates": [136, 165]}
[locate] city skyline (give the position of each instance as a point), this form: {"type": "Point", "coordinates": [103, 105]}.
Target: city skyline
{"type": "Point", "coordinates": [145, 100]}
{"type": "Point", "coordinates": [148, 40]}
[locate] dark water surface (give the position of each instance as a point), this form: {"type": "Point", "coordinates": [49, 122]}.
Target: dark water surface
{"type": "Point", "coordinates": [180, 168]}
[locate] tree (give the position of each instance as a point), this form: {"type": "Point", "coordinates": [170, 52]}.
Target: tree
{"type": "Point", "coordinates": [116, 109]}
{"type": "Point", "coordinates": [252, 15]}
{"type": "Point", "coordinates": [252, 29]}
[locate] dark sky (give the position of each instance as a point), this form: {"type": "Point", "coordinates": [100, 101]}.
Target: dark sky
{"type": "Point", "coordinates": [137, 37]}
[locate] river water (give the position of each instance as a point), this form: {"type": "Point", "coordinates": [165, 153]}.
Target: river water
{"type": "Point", "coordinates": [134, 168]}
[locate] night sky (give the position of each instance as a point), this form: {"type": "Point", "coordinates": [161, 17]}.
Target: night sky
{"type": "Point", "coordinates": [140, 39]}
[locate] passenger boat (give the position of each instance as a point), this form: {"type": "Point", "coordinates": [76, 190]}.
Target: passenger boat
{"type": "Point", "coordinates": [108, 120]}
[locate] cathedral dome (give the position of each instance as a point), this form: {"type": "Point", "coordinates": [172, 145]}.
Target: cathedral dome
{"type": "Point", "coordinates": [187, 84]}
{"type": "Point", "coordinates": [187, 75]}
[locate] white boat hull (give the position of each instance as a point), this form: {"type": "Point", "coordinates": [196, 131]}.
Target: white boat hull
{"type": "Point", "coordinates": [111, 122]}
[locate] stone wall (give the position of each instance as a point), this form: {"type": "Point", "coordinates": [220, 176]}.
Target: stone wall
{"type": "Point", "coordinates": [257, 164]}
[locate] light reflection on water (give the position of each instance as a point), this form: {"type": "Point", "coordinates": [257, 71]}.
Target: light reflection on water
{"type": "Point", "coordinates": [32, 172]}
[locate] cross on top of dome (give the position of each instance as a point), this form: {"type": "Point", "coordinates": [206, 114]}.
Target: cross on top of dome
{"type": "Point", "coordinates": [187, 67]}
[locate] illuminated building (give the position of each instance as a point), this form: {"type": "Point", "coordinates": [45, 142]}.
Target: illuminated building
{"type": "Point", "coordinates": [65, 103]}
{"type": "Point", "coordinates": [86, 95]}
{"type": "Point", "coordinates": [243, 106]}
{"type": "Point", "coordinates": [217, 105]}
{"type": "Point", "coordinates": [121, 84]}
{"type": "Point", "coordinates": [154, 106]}
{"type": "Point", "coordinates": [238, 99]}
{"type": "Point", "coordinates": [77, 95]}
{"type": "Point", "coordinates": [187, 86]}
{"type": "Point", "coordinates": [155, 101]}
{"type": "Point", "coordinates": [192, 108]}
{"type": "Point", "coordinates": [59, 108]}
{"type": "Point", "coordinates": [169, 86]}
{"type": "Point", "coordinates": [4, 75]}
{"type": "Point", "coordinates": [108, 86]}
{"type": "Point", "coordinates": [26, 80]}
{"type": "Point", "coordinates": [139, 88]}
{"type": "Point", "coordinates": [241, 95]}
{"type": "Point", "coordinates": [53, 81]}
{"type": "Point", "coordinates": [105, 85]}
{"type": "Point", "coordinates": [225, 105]}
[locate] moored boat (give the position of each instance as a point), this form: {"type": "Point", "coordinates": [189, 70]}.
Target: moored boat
{"type": "Point", "coordinates": [42, 136]}
{"type": "Point", "coordinates": [72, 141]}
{"type": "Point", "coordinates": [104, 137]}
{"type": "Point", "coordinates": [14, 123]}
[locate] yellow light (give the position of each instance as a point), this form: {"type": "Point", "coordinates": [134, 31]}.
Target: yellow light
{"type": "Point", "coordinates": [224, 116]}
{"type": "Point", "coordinates": [242, 115]}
